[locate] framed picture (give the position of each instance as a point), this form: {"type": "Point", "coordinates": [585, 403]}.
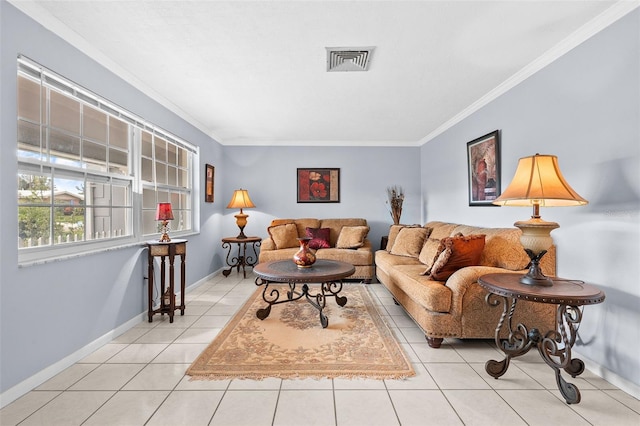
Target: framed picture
{"type": "Point", "coordinates": [483, 166]}
{"type": "Point", "coordinates": [209, 175]}
{"type": "Point", "coordinates": [318, 185]}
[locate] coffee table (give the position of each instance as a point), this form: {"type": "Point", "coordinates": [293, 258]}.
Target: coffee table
{"type": "Point", "coordinates": [329, 273]}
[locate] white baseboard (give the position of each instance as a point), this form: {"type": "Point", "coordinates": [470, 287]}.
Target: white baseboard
{"type": "Point", "coordinates": [42, 376]}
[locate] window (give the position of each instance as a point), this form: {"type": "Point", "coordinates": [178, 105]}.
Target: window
{"type": "Point", "coordinates": [81, 162]}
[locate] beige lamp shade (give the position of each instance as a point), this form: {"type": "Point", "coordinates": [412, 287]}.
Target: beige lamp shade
{"type": "Point", "coordinates": [240, 200]}
{"type": "Point", "coordinates": [538, 182]}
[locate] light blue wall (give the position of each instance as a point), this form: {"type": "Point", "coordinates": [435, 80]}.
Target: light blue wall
{"type": "Point", "coordinates": [584, 108]}
{"type": "Point", "coordinates": [50, 311]}
{"type": "Point", "coordinates": [269, 173]}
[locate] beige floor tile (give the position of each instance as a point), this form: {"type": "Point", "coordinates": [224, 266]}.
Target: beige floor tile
{"type": "Point", "coordinates": [308, 384]}
{"type": "Point", "coordinates": [161, 335]}
{"type": "Point", "coordinates": [403, 321]}
{"type": "Point", "coordinates": [138, 353]}
{"type": "Point", "coordinates": [157, 377]}
{"type": "Point", "coordinates": [221, 310]}
{"type": "Point", "coordinates": [546, 376]}
{"type": "Point", "coordinates": [270, 383]}
{"type": "Point", "coordinates": [131, 335]}
{"type": "Point", "coordinates": [482, 408]}
{"type": "Point", "coordinates": [445, 353]}
{"type": "Point", "coordinates": [187, 408]}
{"type": "Point", "coordinates": [364, 407]}
{"type": "Point", "coordinates": [411, 354]}
{"type": "Point", "coordinates": [624, 398]}
{"type": "Point", "coordinates": [129, 408]}
{"type": "Point", "coordinates": [413, 334]}
{"type": "Point", "coordinates": [188, 384]}
{"type": "Point", "coordinates": [68, 377]}
{"type": "Point", "coordinates": [541, 408]}
{"type": "Point", "coordinates": [243, 408]}
{"type": "Point", "coordinates": [423, 407]}
{"type": "Point", "coordinates": [104, 353]}
{"type": "Point", "coordinates": [422, 380]}
{"type": "Point", "coordinates": [69, 408]}
{"type": "Point", "coordinates": [358, 383]}
{"type": "Point", "coordinates": [514, 378]}
{"type": "Point", "coordinates": [212, 321]}
{"type": "Point", "coordinates": [179, 321]}
{"type": "Point", "coordinates": [180, 353]}
{"type": "Point", "coordinates": [456, 376]}
{"type": "Point", "coordinates": [24, 406]}
{"type": "Point", "coordinates": [108, 377]}
{"type": "Point", "coordinates": [198, 335]}
{"type": "Point", "coordinates": [195, 310]}
{"type": "Point", "coordinates": [478, 352]}
{"type": "Point", "coordinates": [296, 408]}
{"type": "Point", "coordinates": [601, 409]}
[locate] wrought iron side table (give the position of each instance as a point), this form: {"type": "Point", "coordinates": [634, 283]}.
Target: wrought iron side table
{"type": "Point", "coordinates": [327, 272]}
{"type": "Point", "coordinates": [163, 250]}
{"type": "Point", "coordinates": [554, 346]}
{"type": "Point", "coordinates": [241, 260]}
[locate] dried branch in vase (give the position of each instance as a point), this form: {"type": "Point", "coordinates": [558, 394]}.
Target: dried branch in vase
{"type": "Point", "coordinates": [396, 198]}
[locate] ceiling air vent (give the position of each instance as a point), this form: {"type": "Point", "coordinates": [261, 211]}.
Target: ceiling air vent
{"type": "Point", "coordinates": [348, 58]}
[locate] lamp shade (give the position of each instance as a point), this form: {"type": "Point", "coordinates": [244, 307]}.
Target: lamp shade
{"type": "Point", "coordinates": [164, 212]}
{"type": "Point", "coordinates": [538, 180]}
{"type": "Point", "coordinates": [240, 200]}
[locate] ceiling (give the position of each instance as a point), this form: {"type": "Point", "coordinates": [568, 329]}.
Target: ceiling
{"type": "Point", "coordinates": [255, 72]}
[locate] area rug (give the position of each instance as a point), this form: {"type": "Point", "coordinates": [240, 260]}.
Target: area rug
{"type": "Point", "coordinates": [291, 342]}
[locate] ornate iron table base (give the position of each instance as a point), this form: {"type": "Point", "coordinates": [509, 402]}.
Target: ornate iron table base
{"type": "Point", "coordinates": [554, 346]}
{"type": "Point", "coordinates": [241, 260]}
{"type": "Point", "coordinates": [318, 300]}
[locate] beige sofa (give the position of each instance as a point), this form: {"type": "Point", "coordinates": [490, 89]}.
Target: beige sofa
{"type": "Point", "coordinates": [456, 306]}
{"type": "Point", "coordinates": [347, 240]}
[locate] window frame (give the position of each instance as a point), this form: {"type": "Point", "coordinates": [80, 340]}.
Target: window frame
{"type": "Point", "coordinates": [131, 180]}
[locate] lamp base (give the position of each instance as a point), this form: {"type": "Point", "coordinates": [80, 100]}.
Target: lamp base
{"type": "Point", "coordinates": [535, 275]}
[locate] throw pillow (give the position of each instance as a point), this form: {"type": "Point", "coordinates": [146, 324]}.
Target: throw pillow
{"type": "Point", "coordinates": [429, 252]}
{"type": "Point", "coordinates": [352, 237]}
{"type": "Point", "coordinates": [319, 237]}
{"type": "Point", "coordinates": [457, 252]}
{"type": "Point", "coordinates": [409, 242]}
{"type": "Point", "coordinates": [394, 230]}
{"type": "Point", "coordinates": [284, 236]}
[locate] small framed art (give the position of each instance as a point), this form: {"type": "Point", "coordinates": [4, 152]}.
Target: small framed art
{"type": "Point", "coordinates": [483, 166]}
{"type": "Point", "coordinates": [209, 176]}
{"type": "Point", "coordinates": [318, 185]}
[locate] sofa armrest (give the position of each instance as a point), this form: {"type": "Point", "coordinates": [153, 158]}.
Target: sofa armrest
{"type": "Point", "coordinates": [267, 244]}
{"type": "Point", "coordinates": [463, 278]}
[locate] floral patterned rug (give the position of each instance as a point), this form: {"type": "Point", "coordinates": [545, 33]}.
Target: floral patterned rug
{"type": "Point", "coordinates": [291, 343]}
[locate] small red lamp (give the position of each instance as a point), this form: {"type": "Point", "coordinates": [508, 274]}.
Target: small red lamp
{"type": "Point", "coordinates": [164, 214]}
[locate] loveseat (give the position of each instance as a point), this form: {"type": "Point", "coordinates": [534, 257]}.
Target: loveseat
{"type": "Point", "coordinates": [432, 271]}
{"type": "Point", "coordinates": [332, 239]}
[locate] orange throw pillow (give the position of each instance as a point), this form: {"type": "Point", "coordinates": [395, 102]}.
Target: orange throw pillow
{"type": "Point", "coordinates": [457, 252]}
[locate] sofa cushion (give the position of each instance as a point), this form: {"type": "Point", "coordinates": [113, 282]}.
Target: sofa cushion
{"type": "Point", "coordinates": [335, 226]}
{"type": "Point", "coordinates": [319, 237]}
{"type": "Point", "coordinates": [432, 295]}
{"type": "Point", "coordinates": [352, 237]}
{"type": "Point", "coordinates": [456, 253]}
{"type": "Point", "coordinates": [409, 241]}
{"type": "Point", "coordinates": [359, 256]}
{"type": "Point", "coordinates": [284, 236]}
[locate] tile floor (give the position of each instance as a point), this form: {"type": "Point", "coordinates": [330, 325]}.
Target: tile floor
{"type": "Point", "coordinates": [139, 379]}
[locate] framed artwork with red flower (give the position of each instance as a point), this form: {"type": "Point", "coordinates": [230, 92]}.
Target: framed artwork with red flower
{"type": "Point", "coordinates": [318, 185]}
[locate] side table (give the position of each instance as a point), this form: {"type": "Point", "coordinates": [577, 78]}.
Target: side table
{"type": "Point", "coordinates": [554, 346]}
{"type": "Point", "coordinates": [241, 260]}
{"type": "Point", "coordinates": [163, 250]}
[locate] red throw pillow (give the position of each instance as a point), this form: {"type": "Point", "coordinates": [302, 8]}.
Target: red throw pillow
{"type": "Point", "coordinates": [457, 252]}
{"type": "Point", "coordinates": [319, 238]}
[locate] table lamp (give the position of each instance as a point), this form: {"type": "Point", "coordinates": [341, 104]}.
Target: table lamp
{"type": "Point", "coordinates": [240, 200]}
{"type": "Point", "coordinates": [164, 214]}
{"type": "Point", "coordinates": [538, 182]}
